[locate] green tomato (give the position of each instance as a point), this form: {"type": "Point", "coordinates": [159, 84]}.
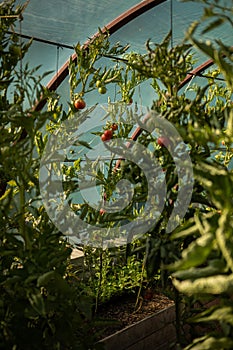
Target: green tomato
{"type": "Point", "coordinates": [98, 83]}
{"type": "Point", "coordinates": [102, 90]}
{"type": "Point", "coordinates": [15, 50]}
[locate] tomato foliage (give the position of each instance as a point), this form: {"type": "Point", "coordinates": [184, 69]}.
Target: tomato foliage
{"type": "Point", "coordinates": [46, 302]}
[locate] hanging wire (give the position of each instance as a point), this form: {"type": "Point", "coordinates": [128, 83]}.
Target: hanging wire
{"type": "Point", "coordinates": [57, 64]}
{"type": "Point", "coordinates": [171, 21]}
{"type": "Point", "coordinates": [140, 94]}
{"type": "Point", "coordinates": [20, 17]}
{"type": "Point", "coordinates": [21, 56]}
{"type": "Point", "coordinates": [115, 86]}
{"type": "Point", "coordinates": [188, 86]}
{"type": "Point", "coordinates": [200, 75]}
{"type": "Point", "coordinates": [112, 57]}
{"type": "Point", "coordinates": [103, 187]}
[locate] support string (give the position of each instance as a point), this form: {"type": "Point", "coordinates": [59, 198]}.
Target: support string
{"type": "Point", "coordinates": [171, 21]}
{"type": "Point", "coordinates": [57, 65]}
{"type": "Point", "coordinates": [21, 56]}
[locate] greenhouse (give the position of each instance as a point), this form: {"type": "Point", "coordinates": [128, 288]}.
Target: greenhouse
{"type": "Point", "coordinates": [116, 175]}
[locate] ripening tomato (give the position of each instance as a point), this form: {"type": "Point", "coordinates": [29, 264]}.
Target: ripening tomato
{"type": "Point", "coordinates": [102, 211]}
{"type": "Point", "coordinates": [114, 126]}
{"type": "Point", "coordinates": [79, 103]}
{"type": "Point", "coordinates": [163, 141]}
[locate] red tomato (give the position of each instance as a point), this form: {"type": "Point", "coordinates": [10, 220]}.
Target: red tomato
{"type": "Point", "coordinates": [108, 134]}
{"type": "Point", "coordinates": [114, 126]}
{"type": "Point", "coordinates": [102, 211]}
{"type": "Point", "coordinates": [163, 141]}
{"type": "Point", "coordinates": [103, 138]}
{"type": "Point", "coordinates": [148, 294]}
{"type": "Point", "coordinates": [79, 103]}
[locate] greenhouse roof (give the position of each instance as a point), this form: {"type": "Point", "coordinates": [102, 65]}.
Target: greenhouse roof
{"type": "Point", "coordinates": [58, 25]}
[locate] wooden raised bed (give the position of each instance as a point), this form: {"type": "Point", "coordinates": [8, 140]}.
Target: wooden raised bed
{"type": "Point", "coordinates": [154, 332]}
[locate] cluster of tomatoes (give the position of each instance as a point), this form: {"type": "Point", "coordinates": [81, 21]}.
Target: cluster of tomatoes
{"type": "Point", "coordinates": [107, 135]}
{"type": "Point", "coordinates": [101, 87]}
{"type": "Point", "coordinates": [79, 102]}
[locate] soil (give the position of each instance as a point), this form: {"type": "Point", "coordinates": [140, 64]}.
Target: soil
{"type": "Point", "coordinates": [124, 312]}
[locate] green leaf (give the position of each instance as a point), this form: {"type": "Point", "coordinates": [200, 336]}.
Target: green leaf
{"type": "Point", "coordinates": [37, 303]}
{"type": "Point", "coordinates": [210, 343]}
{"type": "Point", "coordinates": [215, 313]}
{"type": "Point", "coordinates": [217, 284]}
{"type": "Point", "coordinates": [84, 143]}
{"type": "Point", "coordinates": [54, 282]}
{"type": "Point", "coordinates": [195, 254]}
{"type": "Point", "coordinates": [213, 25]}
{"type": "Point", "coordinates": [194, 273]}
{"type": "Point", "coordinates": [45, 278]}
{"type": "Point", "coordinates": [187, 229]}
{"type": "Point", "coordinates": [223, 234]}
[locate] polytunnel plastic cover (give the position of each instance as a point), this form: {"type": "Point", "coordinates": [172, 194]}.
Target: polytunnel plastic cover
{"type": "Point", "coordinates": [60, 24]}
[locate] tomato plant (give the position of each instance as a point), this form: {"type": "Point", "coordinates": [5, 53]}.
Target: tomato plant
{"type": "Point", "coordinates": [201, 245]}
{"type": "Point", "coordinates": [40, 305]}
{"type": "Point", "coordinates": [38, 292]}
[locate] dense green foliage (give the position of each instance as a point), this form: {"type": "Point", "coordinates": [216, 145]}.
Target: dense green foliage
{"type": "Point", "coordinates": [204, 271]}
{"type": "Point", "coordinates": [40, 307]}
{"type": "Point", "coordinates": [46, 302]}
